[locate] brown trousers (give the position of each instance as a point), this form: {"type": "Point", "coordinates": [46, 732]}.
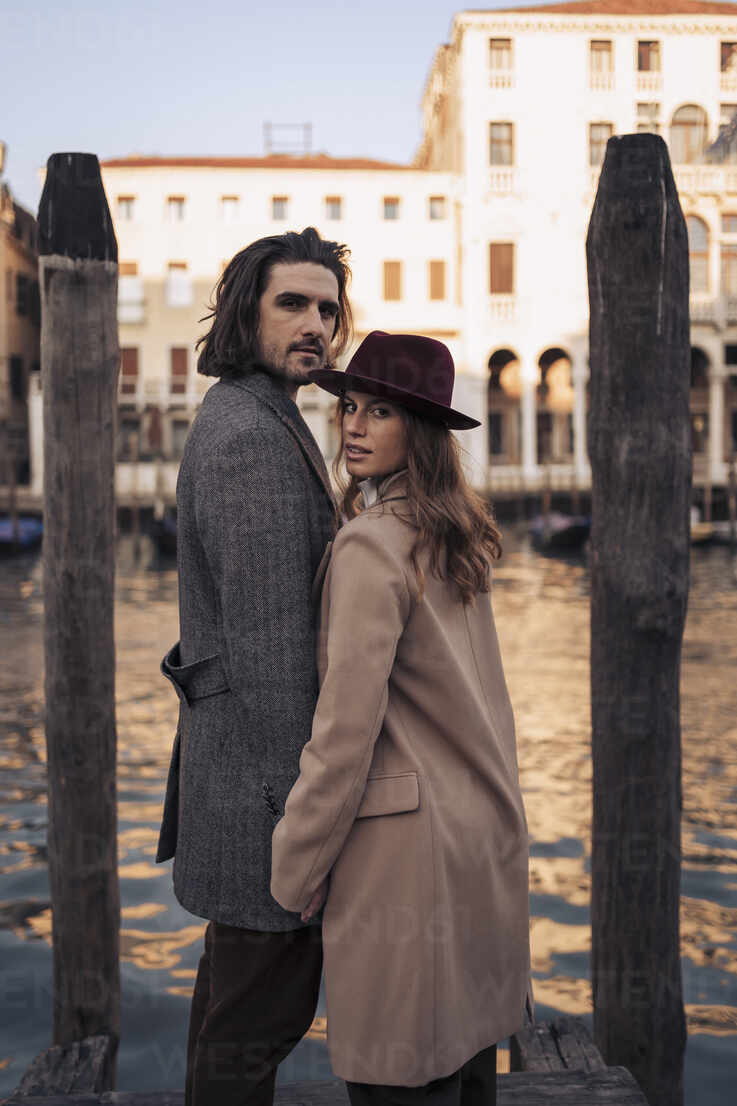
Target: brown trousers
{"type": "Point", "coordinates": [254, 999]}
{"type": "Point", "coordinates": [472, 1085]}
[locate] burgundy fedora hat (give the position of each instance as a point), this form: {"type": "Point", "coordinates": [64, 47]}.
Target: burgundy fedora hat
{"type": "Point", "coordinates": [415, 371]}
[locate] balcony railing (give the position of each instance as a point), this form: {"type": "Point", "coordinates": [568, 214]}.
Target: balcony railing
{"type": "Point", "coordinates": [502, 180]}
{"type": "Point", "coordinates": [503, 308]}
{"type": "Point", "coordinates": [649, 82]}
{"type": "Point", "coordinates": [501, 78]}
{"type": "Point", "coordinates": [704, 308]}
{"type": "Point", "coordinates": [728, 82]}
{"type": "Point", "coordinates": [731, 309]}
{"type": "Point", "coordinates": [711, 180]}
{"type": "Point", "coordinates": [719, 311]}
{"type": "Point", "coordinates": [154, 391]}
{"type": "Point", "coordinates": [601, 82]}
{"type": "Point", "coordinates": [131, 312]}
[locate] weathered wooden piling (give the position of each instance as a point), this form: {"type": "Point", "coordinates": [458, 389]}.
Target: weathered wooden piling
{"type": "Point", "coordinates": [732, 501]}
{"type": "Point", "coordinates": [79, 365]}
{"type": "Point", "coordinates": [639, 444]}
{"type": "Point", "coordinates": [8, 470]}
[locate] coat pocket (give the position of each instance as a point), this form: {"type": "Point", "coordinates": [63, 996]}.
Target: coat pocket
{"type": "Point", "coordinates": [198, 680]}
{"type": "Point", "coordinates": [390, 795]}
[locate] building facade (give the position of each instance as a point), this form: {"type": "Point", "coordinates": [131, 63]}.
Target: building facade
{"type": "Point", "coordinates": [20, 323]}
{"type": "Point", "coordinates": [479, 242]}
{"type": "Point", "coordinates": [179, 221]}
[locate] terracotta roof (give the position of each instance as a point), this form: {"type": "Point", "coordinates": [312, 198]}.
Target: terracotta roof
{"type": "Point", "coordinates": [627, 7]}
{"type": "Point", "coordinates": [274, 161]}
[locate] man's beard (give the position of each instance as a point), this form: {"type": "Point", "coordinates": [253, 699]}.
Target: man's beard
{"type": "Point", "coordinates": [278, 365]}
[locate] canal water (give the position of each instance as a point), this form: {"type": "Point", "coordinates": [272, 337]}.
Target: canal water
{"type": "Point", "coordinates": [542, 611]}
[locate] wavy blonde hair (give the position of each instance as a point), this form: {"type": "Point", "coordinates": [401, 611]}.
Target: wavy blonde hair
{"type": "Point", "coordinates": [454, 525]}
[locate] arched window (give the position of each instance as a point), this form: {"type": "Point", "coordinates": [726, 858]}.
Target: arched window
{"type": "Point", "coordinates": [699, 368]}
{"type": "Point", "coordinates": [554, 406]}
{"type": "Point", "coordinates": [699, 401]}
{"type": "Point", "coordinates": [687, 134]}
{"type": "Point", "coordinates": [698, 253]}
{"type": "Point", "coordinates": [505, 387]}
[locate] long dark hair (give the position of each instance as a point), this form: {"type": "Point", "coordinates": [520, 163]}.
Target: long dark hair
{"type": "Point", "coordinates": [454, 524]}
{"type": "Point", "coordinates": [230, 344]}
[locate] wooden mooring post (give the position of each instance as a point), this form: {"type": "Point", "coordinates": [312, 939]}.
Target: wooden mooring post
{"type": "Point", "coordinates": [732, 501]}
{"type": "Point", "coordinates": [79, 365]}
{"type": "Point", "coordinates": [8, 471]}
{"type": "Point", "coordinates": [639, 444]}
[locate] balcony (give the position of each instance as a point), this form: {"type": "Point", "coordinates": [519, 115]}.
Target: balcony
{"type": "Point", "coordinates": [503, 308]}
{"type": "Point", "coordinates": [154, 392]}
{"type": "Point", "coordinates": [131, 312]}
{"type": "Point", "coordinates": [730, 310]}
{"type": "Point", "coordinates": [728, 82]}
{"type": "Point", "coordinates": [649, 82]}
{"type": "Point", "coordinates": [704, 308]}
{"type": "Point", "coordinates": [709, 180]}
{"type": "Point", "coordinates": [708, 310]}
{"type": "Point", "coordinates": [502, 180]}
{"type": "Point", "coordinates": [601, 82]}
{"type": "Point", "coordinates": [501, 78]}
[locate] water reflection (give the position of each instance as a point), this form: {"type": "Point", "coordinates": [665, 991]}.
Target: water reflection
{"type": "Point", "coordinates": [542, 612]}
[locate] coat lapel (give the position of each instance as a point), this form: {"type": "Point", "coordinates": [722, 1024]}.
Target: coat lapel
{"type": "Point", "coordinates": [269, 392]}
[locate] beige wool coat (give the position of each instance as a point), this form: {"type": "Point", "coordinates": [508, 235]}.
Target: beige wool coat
{"type": "Point", "coordinates": [408, 798]}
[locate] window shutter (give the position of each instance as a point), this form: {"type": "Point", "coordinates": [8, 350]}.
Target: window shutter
{"type": "Point", "coordinates": [128, 370]}
{"type": "Point", "coordinates": [178, 382]}
{"type": "Point", "coordinates": [437, 280]}
{"type": "Point", "coordinates": [501, 268]}
{"type": "Point", "coordinates": [392, 280]}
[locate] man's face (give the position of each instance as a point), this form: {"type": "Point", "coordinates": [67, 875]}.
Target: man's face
{"type": "Point", "coordinates": [297, 314]}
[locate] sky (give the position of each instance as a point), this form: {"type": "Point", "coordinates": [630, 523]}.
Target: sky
{"type": "Point", "coordinates": [175, 77]}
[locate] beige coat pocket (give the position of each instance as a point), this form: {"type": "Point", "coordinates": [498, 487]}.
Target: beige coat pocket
{"type": "Point", "coordinates": [390, 795]}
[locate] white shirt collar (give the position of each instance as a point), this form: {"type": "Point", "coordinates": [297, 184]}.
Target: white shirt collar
{"type": "Point", "coordinates": [369, 490]}
{"type": "Point", "coordinates": [373, 488]}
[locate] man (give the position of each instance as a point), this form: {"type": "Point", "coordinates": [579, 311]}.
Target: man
{"type": "Point", "coordinates": [255, 513]}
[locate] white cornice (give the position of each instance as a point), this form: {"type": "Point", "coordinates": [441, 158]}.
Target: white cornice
{"type": "Point", "coordinates": [560, 24]}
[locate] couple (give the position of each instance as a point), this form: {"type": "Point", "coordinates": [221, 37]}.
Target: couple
{"type": "Point", "coordinates": [345, 747]}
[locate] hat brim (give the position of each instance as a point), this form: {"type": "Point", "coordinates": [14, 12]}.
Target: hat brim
{"type": "Point", "coordinates": [337, 383]}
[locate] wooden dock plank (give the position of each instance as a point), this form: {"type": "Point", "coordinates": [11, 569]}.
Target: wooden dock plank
{"type": "Point", "coordinates": [533, 1049]}
{"type": "Point", "coordinates": [611, 1087]}
{"type": "Point", "coordinates": [575, 1046]}
{"type": "Point", "coordinates": [564, 1043]}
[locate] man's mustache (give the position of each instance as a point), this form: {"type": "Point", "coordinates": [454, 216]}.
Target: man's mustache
{"type": "Point", "coordinates": [307, 347]}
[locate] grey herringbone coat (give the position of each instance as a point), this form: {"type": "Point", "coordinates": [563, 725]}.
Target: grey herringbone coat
{"type": "Point", "coordinates": [254, 514]}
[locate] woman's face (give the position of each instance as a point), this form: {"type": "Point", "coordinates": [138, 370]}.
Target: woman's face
{"type": "Point", "coordinates": [374, 436]}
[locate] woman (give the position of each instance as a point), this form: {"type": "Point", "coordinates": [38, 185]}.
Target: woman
{"type": "Point", "coordinates": [408, 796]}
